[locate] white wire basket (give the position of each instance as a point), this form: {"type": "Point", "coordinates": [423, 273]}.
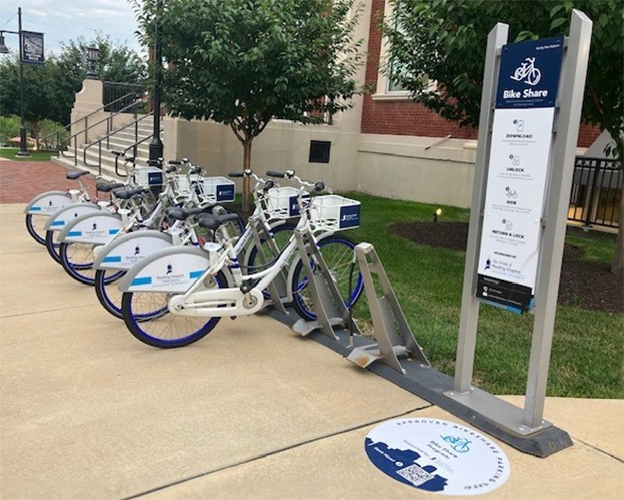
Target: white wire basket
{"type": "Point", "coordinates": [218, 189]}
{"type": "Point", "coordinates": [148, 176]}
{"type": "Point", "coordinates": [282, 202]}
{"type": "Point", "coordinates": [334, 213]}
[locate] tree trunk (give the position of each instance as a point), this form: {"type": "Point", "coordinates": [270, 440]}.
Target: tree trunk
{"type": "Point", "coordinates": [616, 263]}
{"type": "Point", "coordinates": [246, 180]}
{"type": "Point", "coordinates": [36, 132]}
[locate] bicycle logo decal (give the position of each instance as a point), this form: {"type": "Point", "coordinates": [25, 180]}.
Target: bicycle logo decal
{"type": "Point", "coordinates": [527, 72]}
{"type": "Point", "coordinates": [460, 445]}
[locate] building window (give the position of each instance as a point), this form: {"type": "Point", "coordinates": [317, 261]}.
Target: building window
{"type": "Point", "coordinates": [387, 88]}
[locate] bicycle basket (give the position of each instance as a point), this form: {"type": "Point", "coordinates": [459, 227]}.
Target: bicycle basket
{"type": "Point", "coordinates": [218, 189]}
{"type": "Point", "coordinates": [334, 213]}
{"type": "Point", "coordinates": [151, 177]}
{"type": "Point", "coordinates": [281, 202]}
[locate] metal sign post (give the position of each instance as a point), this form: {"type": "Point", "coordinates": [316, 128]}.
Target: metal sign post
{"type": "Point", "coordinates": [553, 224]}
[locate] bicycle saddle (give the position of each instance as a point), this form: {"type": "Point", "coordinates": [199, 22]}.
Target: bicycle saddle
{"type": "Point", "coordinates": [107, 187]}
{"type": "Point", "coordinates": [126, 194]}
{"type": "Point", "coordinates": [77, 173]}
{"type": "Point", "coordinates": [212, 221]}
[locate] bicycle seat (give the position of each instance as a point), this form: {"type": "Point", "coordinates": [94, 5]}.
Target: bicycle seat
{"type": "Point", "coordinates": [117, 153]}
{"type": "Point", "coordinates": [126, 194]}
{"type": "Point", "coordinates": [77, 173]}
{"type": "Point", "coordinates": [184, 213]}
{"type": "Point", "coordinates": [212, 221]}
{"type": "Point", "coordinates": [107, 187]}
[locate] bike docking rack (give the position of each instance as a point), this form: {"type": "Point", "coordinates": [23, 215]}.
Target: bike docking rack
{"type": "Point", "coordinates": [277, 288]}
{"type": "Point", "coordinates": [393, 334]}
{"type": "Point", "coordinates": [328, 305]}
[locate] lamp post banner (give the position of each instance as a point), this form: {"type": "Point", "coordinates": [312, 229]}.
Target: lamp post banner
{"type": "Point", "coordinates": [32, 48]}
{"type": "Point", "coordinates": [522, 136]}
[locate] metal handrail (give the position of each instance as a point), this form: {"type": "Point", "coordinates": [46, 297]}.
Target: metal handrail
{"type": "Point", "coordinates": [109, 126]}
{"type": "Point", "coordinates": [86, 120]}
{"type": "Point", "coordinates": [107, 136]}
{"type": "Point", "coordinates": [123, 152]}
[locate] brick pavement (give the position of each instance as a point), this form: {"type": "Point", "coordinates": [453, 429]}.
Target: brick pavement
{"type": "Point", "coordinates": [21, 181]}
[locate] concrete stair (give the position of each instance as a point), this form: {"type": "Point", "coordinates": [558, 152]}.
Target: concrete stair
{"type": "Point", "coordinates": [118, 141]}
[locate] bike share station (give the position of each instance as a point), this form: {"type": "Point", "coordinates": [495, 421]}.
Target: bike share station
{"type": "Point", "coordinates": [530, 115]}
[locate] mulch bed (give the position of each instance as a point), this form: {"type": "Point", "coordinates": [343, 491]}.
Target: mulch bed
{"type": "Point", "coordinates": [585, 284]}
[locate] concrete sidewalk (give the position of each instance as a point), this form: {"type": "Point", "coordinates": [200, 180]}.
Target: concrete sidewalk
{"type": "Point", "coordinates": [251, 411]}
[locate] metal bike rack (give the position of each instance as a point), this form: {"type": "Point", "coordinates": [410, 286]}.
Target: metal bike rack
{"type": "Point", "coordinates": [278, 287]}
{"type": "Point", "coordinates": [393, 334]}
{"type": "Point", "coordinates": [328, 305]}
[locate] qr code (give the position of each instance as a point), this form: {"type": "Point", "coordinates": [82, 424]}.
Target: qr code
{"type": "Point", "coordinates": [415, 474]}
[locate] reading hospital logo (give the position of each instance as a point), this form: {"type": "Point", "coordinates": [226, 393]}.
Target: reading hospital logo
{"type": "Point", "coordinates": [527, 72]}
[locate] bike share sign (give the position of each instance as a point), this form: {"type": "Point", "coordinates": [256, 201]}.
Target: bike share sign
{"type": "Point", "coordinates": [437, 456]}
{"type": "Point", "coordinates": [522, 137]}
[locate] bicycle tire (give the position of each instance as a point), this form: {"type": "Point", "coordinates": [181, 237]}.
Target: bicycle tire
{"type": "Point", "coordinates": [33, 221]}
{"type": "Point", "coordinates": [52, 246]}
{"type": "Point", "coordinates": [164, 321]}
{"type": "Point", "coordinates": [338, 261]}
{"type": "Point", "coordinates": [109, 296]}
{"type": "Point", "coordinates": [77, 261]}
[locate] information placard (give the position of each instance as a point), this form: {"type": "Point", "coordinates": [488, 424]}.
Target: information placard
{"type": "Point", "coordinates": [32, 47]}
{"type": "Point", "coordinates": [522, 136]}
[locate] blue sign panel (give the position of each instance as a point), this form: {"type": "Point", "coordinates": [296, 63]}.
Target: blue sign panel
{"type": "Point", "coordinates": [349, 216]}
{"type": "Point", "coordinates": [32, 47]}
{"type": "Point", "coordinates": [529, 74]}
{"type": "Point", "coordinates": [225, 192]}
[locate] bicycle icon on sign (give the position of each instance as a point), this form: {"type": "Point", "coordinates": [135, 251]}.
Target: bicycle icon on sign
{"type": "Point", "coordinates": [527, 72]}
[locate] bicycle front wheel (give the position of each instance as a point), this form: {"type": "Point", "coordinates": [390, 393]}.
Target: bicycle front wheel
{"type": "Point", "coordinates": [165, 330]}
{"type": "Point", "coordinates": [337, 252]}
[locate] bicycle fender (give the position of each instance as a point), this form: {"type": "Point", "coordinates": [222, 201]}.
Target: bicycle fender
{"type": "Point", "coordinates": [47, 203]}
{"type": "Point", "coordinates": [63, 215]}
{"type": "Point", "coordinates": [172, 270]}
{"type": "Point", "coordinates": [130, 249]}
{"type": "Point", "coordinates": [93, 227]}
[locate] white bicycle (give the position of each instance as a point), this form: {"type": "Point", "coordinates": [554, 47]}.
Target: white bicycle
{"type": "Point", "coordinates": [177, 296]}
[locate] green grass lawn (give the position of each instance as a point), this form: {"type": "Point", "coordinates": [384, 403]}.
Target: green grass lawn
{"type": "Point", "coordinates": [10, 153]}
{"type": "Point", "coordinates": [587, 349]}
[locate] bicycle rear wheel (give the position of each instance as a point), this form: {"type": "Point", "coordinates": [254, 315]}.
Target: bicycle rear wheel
{"type": "Point", "coordinates": [77, 260]}
{"type": "Point", "coordinates": [337, 252]}
{"type": "Point", "coordinates": [108, 292]}
{"type": "Point", "coordinates": [165, 330]}
{"type": "Point", "coordinates": [35, 224]}
{"type": "Point", "coordinates": [52, 245]}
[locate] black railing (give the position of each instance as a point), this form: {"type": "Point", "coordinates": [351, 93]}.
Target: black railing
{"type": "Point", "coordinates": [596, 192]}
{"type": "Point", "coordinates": [109, 132]}
{"type": "Point", "coordinates": [62, 135]}
{"type": "Point", "coordinates": [117, 96]}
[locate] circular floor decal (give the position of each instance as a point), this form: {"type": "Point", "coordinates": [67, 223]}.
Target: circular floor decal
{"type": "Point", "coordinates": [438, 456]}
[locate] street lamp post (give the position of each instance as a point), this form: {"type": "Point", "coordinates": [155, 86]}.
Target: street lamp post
{"type": "Point", "coordinates": [23, 152]}
{"type": "Point", "coordinates": [156, 145]}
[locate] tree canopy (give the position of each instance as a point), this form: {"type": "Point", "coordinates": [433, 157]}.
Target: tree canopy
{"type": "Point", "coordinates": [446, 40]}
{"type": "Point", "coordinates": [49, 90]}
{"type": "Point", "coordinates": [245, 62]}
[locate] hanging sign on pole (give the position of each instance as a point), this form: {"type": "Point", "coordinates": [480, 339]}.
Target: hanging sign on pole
{"type": "Point", "coordinates": [32, 47]}
{"type": "Point", "coordinates": [522, 137]}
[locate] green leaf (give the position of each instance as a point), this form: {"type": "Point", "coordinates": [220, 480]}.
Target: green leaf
{"type": "Point", "coordinates": [557, 22]}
